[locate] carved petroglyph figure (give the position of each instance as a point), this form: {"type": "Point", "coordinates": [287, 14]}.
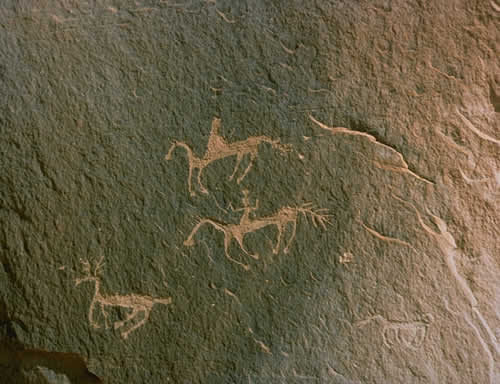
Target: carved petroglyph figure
{"type": "Point", "coordinates": [346, 258]}
{"type": "Point", "coordinates": [218, 148]}
{"type": "Point", "coordinates": [135, 303]}
{"type": "Point", "coordinates": [247, 224]}
{"type": "Point", "coordinates": [409, 334]}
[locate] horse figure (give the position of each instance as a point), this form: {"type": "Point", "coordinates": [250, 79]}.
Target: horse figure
{"type": "Point", "coordinates": [281, 219]}
{"type": "Point", "coordinates": [218, 148]}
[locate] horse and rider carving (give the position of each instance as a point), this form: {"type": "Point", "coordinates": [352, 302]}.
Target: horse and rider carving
{"type": "Point", "coordinates": [218, 148]}
{"type": "Point", "coordinates": [281, 219]}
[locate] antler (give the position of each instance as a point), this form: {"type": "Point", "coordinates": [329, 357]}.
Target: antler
{"type": "Point", "coordinates": [85, 266]}
{"type": "Point", "coordinates": [87, 269]}
{"type": "Point", "coordinates": [318, 216]}
{"type": "Point", "coordinates": [99, 265]}
{"type": "Point", "coordinates": [87, 273]}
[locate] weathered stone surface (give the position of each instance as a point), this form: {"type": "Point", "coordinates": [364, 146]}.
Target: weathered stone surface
{"type": "Point", "coordinates": [382, 114]}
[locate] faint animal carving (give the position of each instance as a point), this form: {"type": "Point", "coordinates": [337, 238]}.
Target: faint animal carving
{"type": "Point", "coordinates": [346, 258]}
{"type": "Point", "coordinates": [409, 334]}
{"type": "Point", "coordinates": [135, 303]}
{"type": "Point", "coordinates": [283, 217]}
{"type": "Point", "coordinates": [218, 148]}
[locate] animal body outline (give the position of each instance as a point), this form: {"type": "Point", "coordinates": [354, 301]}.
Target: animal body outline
{"type": "Point", "coordinates": [136, 303]}
{"type": "Point", "coordinates": [247, 224]}
{"type": "Point", "coordinates": [218, 148]}
{"type": "Point", "coordinates": [410, 334]}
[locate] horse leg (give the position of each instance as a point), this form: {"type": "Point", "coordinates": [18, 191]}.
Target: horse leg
{"type": "Point", "coordinates": [239, 157]}
{"type": "Point", "coordinates": [189, 242]}
{"type": "Point", "coordinates": [227, 241]}
{"type": "Point", "coordinates": [278, 243]}
{"type": "Point", "coordinates": [202, 187]}
{"type": "Point", "coordinates": [190, 176]}
{"type": "Point", "coordinates": [294, 230]}
{"type": "Point", "coordinates": [239, 239]}
{"type": "Point", "coordinates": [91, 316]}
{"type": "Point", "coordinates": [253, 156]}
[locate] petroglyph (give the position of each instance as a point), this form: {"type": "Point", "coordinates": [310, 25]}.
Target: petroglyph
{"type": "Point", "coordinates": [135, 303]}
{"type": "Point", "coordinates": [487, 187]}
{"type": "Point", "coordinates": [218, 148]}
{"type": "Point", "coordinates": [402, 168]}
{"type": "Point", "coordinates": [471, 126]}
{"type": "Point", "coordinates": [388, 239]}
{"type": "Point", "coordinates": [408, 334]}
{"type": "Point", "coordinates": [449, 249]}
{"type": "Point", "coordinates": [346, 258]}
{"type": "Point", "coordinates": [247, 224]}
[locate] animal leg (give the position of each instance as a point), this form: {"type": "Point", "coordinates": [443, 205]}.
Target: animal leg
{"type": "Point", "coordinates": [130, 316]}
{"type": "Point", "coordinates": [239, 239]}
{"type": "Point", "coordinates": [146, 312]}
{"type": "Point", "coordinates": [189, 242]}
{"type": "Point", "coordinates": [294, 230]}
{"type": "Point", "coordinates": [253, 156]}
{"type": "Point", "coordinates": [227, 241]}
{"type": "Point", "coordinates": [239, 157]}
{"type": "Point", "coordinates": [278, 243]}
{"type": "Point", "coordinates": [105, 314]}
{"type": "Point", "coordinates": [190, 176]}
{"type": "Point", "coordinates": [91, 316]}
{"type": "Point", "coordinates": [202, 187]}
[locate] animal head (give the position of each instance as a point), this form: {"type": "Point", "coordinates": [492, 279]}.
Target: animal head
{"type": "Point", "coordinates": [319, 217]}
{"type": "Point", "coordinates": [283, 148]}
{"type": "Point", "coordinates": [88, 274]}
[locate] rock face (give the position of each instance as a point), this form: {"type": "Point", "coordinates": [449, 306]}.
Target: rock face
{"type": "Point", "coordinates": [216, 191]}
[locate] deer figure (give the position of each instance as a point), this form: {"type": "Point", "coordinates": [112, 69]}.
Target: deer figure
{"type": "Point", "coordinates": [135, 303]}
{"type": "Point", "coordinates": [281, 219]}
{"type": "Point", "coordinates": [218, 148]}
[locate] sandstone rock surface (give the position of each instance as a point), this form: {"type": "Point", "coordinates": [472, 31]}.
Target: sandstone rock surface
{"type": "Point", "coordinates": [250, 191]}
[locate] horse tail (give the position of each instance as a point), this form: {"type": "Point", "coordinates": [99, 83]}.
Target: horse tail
{"type": "Point", "coordinates": [189, 241]}
{"type": "Point", "coordinates": [181, 144]}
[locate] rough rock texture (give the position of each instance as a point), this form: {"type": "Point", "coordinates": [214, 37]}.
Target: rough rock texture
{"type": "Point", "coordinates": [383, 115]}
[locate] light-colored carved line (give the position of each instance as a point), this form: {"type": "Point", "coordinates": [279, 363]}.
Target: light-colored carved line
{"type": "Point", "coordinates": [473, 181]}
{"type": "Point", "coordinates": [402, 169]}
{"type": "Point", "coordinates": [448, 247]}
{"type": "Point", "coordinates": [471, 126]}
{"type": "Point", "coordinates": [218, 148]}
{"type": "Point", "coordinates": [224, 17]}
{"type": "Point", "coordinates": [286, 49]}
{"type": "Point", "coordinates": [231, 294]}
{"type": "Point", "coordinates": [263, 346]}
{"type": "Point", "coordinates": [268, 89]}
{"type": "Point", "coordinates": [378, 235]}
{"type": "Point", "coordinates": [484, 345]}
{"type": "Point", "coordinates": [135, 303]}
{"type": "Point", "coordinates": [247, 224]}
{"type": "Point", "coordinates": [399, 327]}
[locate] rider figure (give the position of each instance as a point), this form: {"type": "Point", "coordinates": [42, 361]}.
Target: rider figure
{"type": "Point", "coordinates": [247, 209]}
{"type": "Point", "coordinates": [215, 142]}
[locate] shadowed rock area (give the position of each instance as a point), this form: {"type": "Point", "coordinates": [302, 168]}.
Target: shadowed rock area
{"type": "Point", "coordinates": [216, 191]}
